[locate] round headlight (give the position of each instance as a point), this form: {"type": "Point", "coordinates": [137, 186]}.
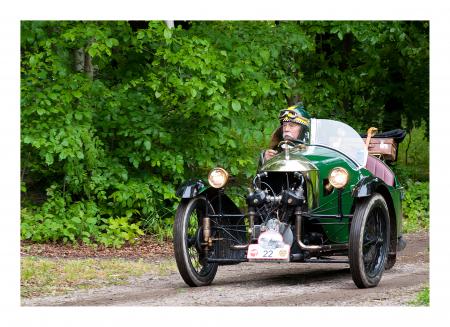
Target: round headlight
{"type": "Point", "coordinates": [338, 177]}
{"type": "Point", "coordinates": [218, 177]}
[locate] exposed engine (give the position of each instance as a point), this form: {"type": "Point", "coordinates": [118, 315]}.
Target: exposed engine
{"type": "Point", "coordinates": [274, 198]}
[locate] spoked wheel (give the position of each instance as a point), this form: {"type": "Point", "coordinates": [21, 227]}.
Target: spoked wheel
{"type": "Point", "coordinates": [190, 256]}
{"type": "Point", "coordinates": [369, 241]}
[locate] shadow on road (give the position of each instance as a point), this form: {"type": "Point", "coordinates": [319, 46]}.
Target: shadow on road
{"type": "Point", "coordinates": [288, 276]}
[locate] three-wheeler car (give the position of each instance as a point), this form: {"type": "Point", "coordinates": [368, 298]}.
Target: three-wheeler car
{"type": "Point", "coordinates": [323, 200]}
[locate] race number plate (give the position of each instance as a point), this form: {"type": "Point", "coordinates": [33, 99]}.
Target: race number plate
{"type": "Point", "coordinates": [270, 247]}
{"type": "Point", "coordinates": [257, 252]}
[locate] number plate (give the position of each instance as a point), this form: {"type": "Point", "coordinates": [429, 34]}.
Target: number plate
{"type": "Point", "coordinates": [270, 247]}
{"type": "Point", "coordinates": [258, 253]}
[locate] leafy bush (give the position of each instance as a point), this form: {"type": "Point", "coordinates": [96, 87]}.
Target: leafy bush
{"type": "Point", "coordinates": [114, 118]}
{"type": "Point", "coordinates": [414, 156]}
{"type": "Point", "coordinates": [61, 219]}
{"type": "Point", "coordinates": [117, 231]}
{"type": "Point", "coordinates": [412, 170]}
{"type": "Point", "coordinates": [416, 206]}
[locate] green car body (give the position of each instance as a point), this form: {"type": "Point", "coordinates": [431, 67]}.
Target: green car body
{"type": "Point", "coordinates": [318, 162]}
{"type": "Point", "coordinates": [297, 209]}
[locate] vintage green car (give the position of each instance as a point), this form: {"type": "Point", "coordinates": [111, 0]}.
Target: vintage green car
{"type": "Point", "coordinates": [325, 200]}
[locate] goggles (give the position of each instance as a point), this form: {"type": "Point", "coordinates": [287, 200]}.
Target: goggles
{"type": "Point", "coordinates": [293, 116]}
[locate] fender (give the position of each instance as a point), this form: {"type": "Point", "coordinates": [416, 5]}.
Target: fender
{"type": "Point", "coordinates": [191, 188]}
{"type": "Point", "coordinates": [367, 186]}
{"type": "Point", "coordinates": [219, 200]}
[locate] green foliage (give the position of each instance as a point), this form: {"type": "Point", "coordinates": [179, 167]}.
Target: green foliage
{"type": "Point", "coordinates": [117, 231]}
{"type": "Point", "coordinates": [423, 298]}
{"type": "Point", "coordinates": [367, 73]}
{"type": "Point", "coordinates": [412, 170]}
{"type": "Point", "coordinates": [114, 119]}
{"type": "Point", "coordinates": [414, 156]}
{"type": "Point", "coordinates": [61, 219]}
{"type": "Point", "coordinates": [416, 206]}
{"type": "Point", "coordinates": [160, 223]}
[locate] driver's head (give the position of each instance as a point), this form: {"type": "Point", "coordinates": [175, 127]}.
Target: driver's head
{"type": "Point", "coordinates": [295, 122]}
{"type": "Point", "coordinates": [291, 131]}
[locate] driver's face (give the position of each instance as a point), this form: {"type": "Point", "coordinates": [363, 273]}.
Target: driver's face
{"type": "Point", "coordinates": [291, 131]}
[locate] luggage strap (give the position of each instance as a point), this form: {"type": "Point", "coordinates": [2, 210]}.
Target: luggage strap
{"type": "Point", "coordinates": [370, 133]}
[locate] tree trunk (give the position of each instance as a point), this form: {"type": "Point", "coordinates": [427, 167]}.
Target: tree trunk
{"type": "Point", "coordinates": [407, 147]}
{"type": "Point", "coordinates": [83, 62]}
{"type": "Point", "coordinates": [88, 67]}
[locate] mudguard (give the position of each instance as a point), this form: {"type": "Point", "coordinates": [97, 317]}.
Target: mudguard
{"type": "Point", "coordinates": [190, 189]}
{"type": "Point", "coordinates": [219, 200]}
{"type": "Point", "coordinates": [366, 186]}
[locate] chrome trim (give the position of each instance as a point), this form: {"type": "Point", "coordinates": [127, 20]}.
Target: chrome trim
{"type": "Point", "coordinates": [298, 163]}
{"type": "Point", "coordinates": [293, 164]}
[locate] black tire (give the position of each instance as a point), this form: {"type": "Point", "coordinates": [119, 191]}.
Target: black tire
{"type": "Point", "coordinates": [189, 255]}
{"type": "Point", "coordinates": [369, 241]}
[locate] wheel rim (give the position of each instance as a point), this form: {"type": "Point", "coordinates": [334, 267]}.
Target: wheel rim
{"type": "Point", "coordinates": [374, 242]}
{"type": "Point", "coordinates": [196, 255]}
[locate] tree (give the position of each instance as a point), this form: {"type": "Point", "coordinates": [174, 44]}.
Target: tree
{"type": "Point", "coordinates": [115, 115]}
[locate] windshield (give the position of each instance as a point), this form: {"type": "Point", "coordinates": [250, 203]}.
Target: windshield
{"type": "Point", "coordinates": [339, 136]}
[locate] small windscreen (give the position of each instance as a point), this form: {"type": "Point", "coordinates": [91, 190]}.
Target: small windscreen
{"type": "Point", "coordinates": [339, 136]}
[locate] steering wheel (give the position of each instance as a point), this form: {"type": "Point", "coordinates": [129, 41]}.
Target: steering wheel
{"type": "Point", "coordinates": [286, 144]}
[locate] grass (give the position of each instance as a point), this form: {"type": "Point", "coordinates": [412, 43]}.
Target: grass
{"type": "Point", "coordinates": [43, 276]}
{"type": "Point", "coordinates": [422, 298]}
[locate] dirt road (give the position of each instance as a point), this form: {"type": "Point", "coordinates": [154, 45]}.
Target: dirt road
{"type": "Point", "coordinates": [268, 284]}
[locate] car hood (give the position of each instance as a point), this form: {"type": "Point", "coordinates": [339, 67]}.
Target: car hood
{"type": "Point", "coordinates": [307, 158]}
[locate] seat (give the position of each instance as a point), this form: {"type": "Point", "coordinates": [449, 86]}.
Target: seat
{"type": "Point", "coordinates": [379, 169]}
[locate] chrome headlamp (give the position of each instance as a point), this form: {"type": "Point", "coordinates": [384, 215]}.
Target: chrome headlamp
{"type": "Point", "coordinates": [338, 177]}
{"type": "Point", "coordinates": [218, 177]}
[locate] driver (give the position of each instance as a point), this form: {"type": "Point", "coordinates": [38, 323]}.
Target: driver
{"type": "Point", "coordinates": [294, 127]}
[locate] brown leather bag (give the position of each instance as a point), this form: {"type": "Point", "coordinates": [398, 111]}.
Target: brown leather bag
{"type": "Point", "coordinates": [384, 148]}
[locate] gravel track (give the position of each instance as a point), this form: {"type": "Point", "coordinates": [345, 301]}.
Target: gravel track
{"type": "Point", "coordinates": [267, 284]}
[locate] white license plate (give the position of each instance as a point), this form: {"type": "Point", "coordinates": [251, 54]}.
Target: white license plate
{"type": "Point", "coordinates": [257, 252]}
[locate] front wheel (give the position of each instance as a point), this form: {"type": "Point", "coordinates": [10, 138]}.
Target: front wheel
{"type": "Point", "coordinates": [369, 241]}
{"type": "Point", "coordinates": [190, 256]}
